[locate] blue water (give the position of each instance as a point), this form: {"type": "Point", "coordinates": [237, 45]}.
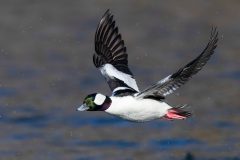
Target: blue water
{"type": "Point", "coordinates": [41, 122]}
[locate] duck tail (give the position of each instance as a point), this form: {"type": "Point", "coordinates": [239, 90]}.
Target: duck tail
{"type": "Point", "coordinates": [177, 113]}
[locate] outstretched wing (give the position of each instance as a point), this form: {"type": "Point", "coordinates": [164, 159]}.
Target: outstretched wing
{"type": "Point", "coordinates": [172, 82]}
{"type": "Point", "coordinates": [111, 57]}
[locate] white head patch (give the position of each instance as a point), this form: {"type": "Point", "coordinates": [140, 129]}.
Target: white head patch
{"type": "Point", "coordinates": [99, 99]}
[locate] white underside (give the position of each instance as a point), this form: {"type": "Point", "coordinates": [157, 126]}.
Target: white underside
{"type": "Point", "coordinates": [140, 110]}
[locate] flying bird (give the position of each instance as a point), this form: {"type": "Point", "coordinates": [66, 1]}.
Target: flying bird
{"type": "Point", "coordinates": [127, 101]}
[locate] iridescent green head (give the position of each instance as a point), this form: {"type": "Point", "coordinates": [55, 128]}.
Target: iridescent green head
{"type": "Point", "coordinates": [95, 102]}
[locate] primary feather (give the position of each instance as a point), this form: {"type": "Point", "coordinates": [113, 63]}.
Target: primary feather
{"type": "Point", "coordinates": [111, 57]}
{"type": "Point", "coordinates": [172, 82]}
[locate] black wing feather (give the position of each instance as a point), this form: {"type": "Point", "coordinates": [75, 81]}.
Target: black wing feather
{"type": "Point", "coordinates": [109, 45]}
{"type": "Point", "coordinates": [110, 49]}
{"type": "Point", "coordinates": [176, 80]}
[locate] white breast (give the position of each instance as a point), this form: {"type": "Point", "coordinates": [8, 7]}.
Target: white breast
{"type": "Point", "coordinates": [137, 109]}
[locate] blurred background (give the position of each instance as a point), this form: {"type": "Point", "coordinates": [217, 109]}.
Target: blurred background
{"type": "Point", "coordinates": [46, 70]}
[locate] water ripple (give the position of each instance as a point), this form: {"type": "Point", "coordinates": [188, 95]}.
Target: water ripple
{"type": "Point", "coordinates": [173, 143]}
{"type": "Point", "coordinates": [109, 143]}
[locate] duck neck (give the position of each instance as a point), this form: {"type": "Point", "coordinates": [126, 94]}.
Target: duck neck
{"type": "Point", "coordinates": [106, 104]}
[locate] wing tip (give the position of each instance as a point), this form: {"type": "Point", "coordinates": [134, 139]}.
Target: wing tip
{"type": "Point", "coordinates": [214, 36]}
{"type": "Point", "coordinates": [107, 13]}
{"type": "Point", "coordinates": [205, 56]}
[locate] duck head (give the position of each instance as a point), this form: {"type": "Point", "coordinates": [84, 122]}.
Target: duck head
{"type": "Point", "coordinates": [95, 102]}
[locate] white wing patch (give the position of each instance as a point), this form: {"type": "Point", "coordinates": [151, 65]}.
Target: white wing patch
{"type": "Point", "coordinates": [164, 79]}
{"type": "Point", "coordinates": [119, 88]}
{"type": "Point", "coordinates": [110, 71]}
{"type": "Point", "coordinates": [99, 99]}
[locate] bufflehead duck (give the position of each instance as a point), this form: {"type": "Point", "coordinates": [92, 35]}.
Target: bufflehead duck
{"type": "Point", "coordinates": [127, 101]}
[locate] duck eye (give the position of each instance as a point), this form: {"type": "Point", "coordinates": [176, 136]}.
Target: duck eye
{"type": "Point", "coordinates": [89, 102]}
